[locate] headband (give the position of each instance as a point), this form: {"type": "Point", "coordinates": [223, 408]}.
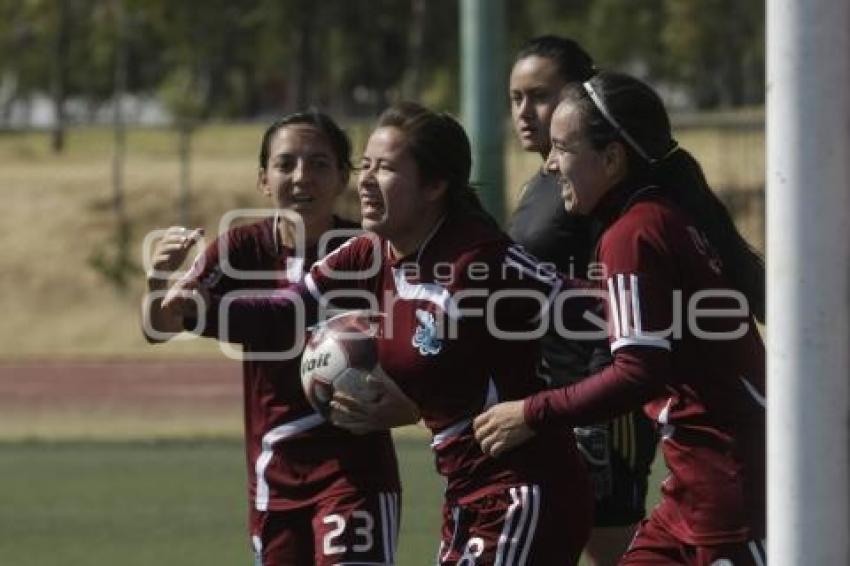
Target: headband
{"type": "Point", "coordinates": [597, 101]}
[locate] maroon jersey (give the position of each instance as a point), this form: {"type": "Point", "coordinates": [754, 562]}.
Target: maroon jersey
{"type": "Point", "coordinates": [700, 374]}
{"type": "Point", "coordinates": [449, 338]}
{"type": "Point", "coordinates": [294, 456]}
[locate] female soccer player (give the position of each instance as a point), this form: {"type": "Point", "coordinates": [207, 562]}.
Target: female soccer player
{"type": "Point", "coordinates": [319, 494]}
{"type": "Point", "coordinates": [459, 300]}
{"type": "Point", "coordinates": [618, 453]}
{"type": "Point", "coordinates": [682, 283]}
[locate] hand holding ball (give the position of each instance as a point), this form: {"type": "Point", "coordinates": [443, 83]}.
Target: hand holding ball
{"type": "Point", "coordinates": [338, 357]}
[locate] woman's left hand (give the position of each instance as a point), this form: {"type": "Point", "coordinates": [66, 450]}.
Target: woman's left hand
{"type": "Point", "coordinates": [501, 428]}
{"type": "Point", "coordinates": [390, 407]}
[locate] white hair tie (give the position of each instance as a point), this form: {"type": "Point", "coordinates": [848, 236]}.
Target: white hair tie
{"type": "Point", "coordinates": [597, 101]}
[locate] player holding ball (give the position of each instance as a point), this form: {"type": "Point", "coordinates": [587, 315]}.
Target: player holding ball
{"type": "Point", "coordinates": [318, 494]}
{"type": "Point", "coordinates": [445, 277]}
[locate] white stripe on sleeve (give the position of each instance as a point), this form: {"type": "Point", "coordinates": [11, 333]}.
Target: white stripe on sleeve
{"type": "Point", "coordinates": [626, 315]}
{"type": "Point", "coordinates": [613, 308]}
{"type": "Point", "coordinates": [625, 325]}
{"type": "Point", "coordinates": [636, 304]}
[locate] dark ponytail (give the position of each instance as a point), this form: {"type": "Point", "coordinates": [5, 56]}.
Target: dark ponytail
{"type": "Point", "coordinates": [630, 112]}
{"type": "Point", "coordinates": [683, 182]}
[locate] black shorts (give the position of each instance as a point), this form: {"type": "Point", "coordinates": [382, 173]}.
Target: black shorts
{"type": "Point", "coordinates": [619, 456]}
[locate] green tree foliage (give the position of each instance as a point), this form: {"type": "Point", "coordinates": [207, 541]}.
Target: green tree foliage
{"type": "Point", "coordinates": [207, 43]}
{"type": "Point", "coordinates": [259, 57]}
{"type": "Point", "coordinates": [713, 50]}
{"type": "Point", "coordinates": [29, 40]}
{"type": "Point", "coordinates": [717, 48]}
{"type": "Point", "coordinates": [24, 32]}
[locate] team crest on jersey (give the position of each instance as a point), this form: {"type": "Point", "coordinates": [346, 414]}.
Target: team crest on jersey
{"type": "Point", "coordinates": [425, 338]}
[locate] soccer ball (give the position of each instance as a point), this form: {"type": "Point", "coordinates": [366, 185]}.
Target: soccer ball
{"type": "Point", "coordinates": [339, 356]}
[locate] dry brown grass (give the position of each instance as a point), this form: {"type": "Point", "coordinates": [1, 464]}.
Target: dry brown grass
{"type": "Point", "coordinates": [58, 215]}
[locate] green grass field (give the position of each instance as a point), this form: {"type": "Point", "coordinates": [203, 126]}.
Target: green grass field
{"type": "Point", "coordinates": [166, 503]}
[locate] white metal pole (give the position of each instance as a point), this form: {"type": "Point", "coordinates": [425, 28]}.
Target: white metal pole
{"type": "Point", "coordinates": [808, 268]}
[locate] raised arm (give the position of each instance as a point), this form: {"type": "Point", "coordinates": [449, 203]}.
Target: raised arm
{"type": "Point", "coordinates": [161, 322]}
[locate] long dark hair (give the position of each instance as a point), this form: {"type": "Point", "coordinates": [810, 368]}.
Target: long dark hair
{"type": "Point", "coordinates": [636, 117]}
{"type": "Point", "coordinates": [340, 144]}
{"type": "Point", "coordinates": [442, 152]}
{"type": "Point", "coordinates": [572, 61]}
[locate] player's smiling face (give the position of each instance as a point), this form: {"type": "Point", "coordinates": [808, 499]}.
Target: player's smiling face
{"type": "Point", "coordinates": [535, 88]}
{"type": "Point", "coordinates": [392, 198]}
{"type": "Point", "coordinates": [584, 173]}
{"type": "Point", "coordinates": [303, 173]}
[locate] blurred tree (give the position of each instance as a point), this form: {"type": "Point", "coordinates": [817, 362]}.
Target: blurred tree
{"type": "Point", "coordinates": [305, 16]}
{"type": "Point", "coordinates": [119, 48]}
{"type": "Point", "coordinates": [213, 39]}
{"type": "Point", "coordinates": [23, 31]}
{"type": "Point", "coordinates": [716, 47]}
{"type": "Point", "coordinates": [711, 49]}
{"type": "Point", "coordinates": [184, 92]}
{"type": "Point", "coordinates": [268, 75]}
{"type": "Point", "coordinates": [529, 18]}
{"type": "Point", "coordinates": [58, 47]}
{"type": "Point", "coordinates": [352, 57]}
{"type": "Point", "coordinates": [30, 30]}
{"type": "Point", "coordinates": [412, 83]}
{"type": "Point", "coordinates": [373, 46]}
{"type": "Point", "coordinates": [205, 45]}
{"type": "Point", "coordinates": [627, 38]}
{"type": "Point", "coordinates": [441, 55]}
{"type": "Point", "coordinates": [60, 24]}
{"type": "Point", "coordinates": [617, 34]}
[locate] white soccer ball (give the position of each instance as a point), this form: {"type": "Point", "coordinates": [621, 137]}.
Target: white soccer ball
{"type": "Point", "coordinates": [339, 356]}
